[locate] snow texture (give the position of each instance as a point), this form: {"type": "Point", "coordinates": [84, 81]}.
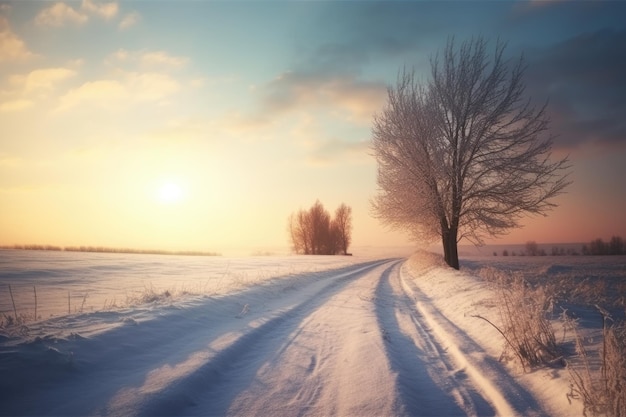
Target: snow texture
{"type": "Point", "coordinates": [280, 336]}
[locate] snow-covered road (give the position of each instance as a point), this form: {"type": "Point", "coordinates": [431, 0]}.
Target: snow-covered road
{"type": "Point", "coordinates": [353, 342]}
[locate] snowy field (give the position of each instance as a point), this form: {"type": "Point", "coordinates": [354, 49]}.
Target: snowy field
{"type": "Point", "coordinates": [293, 335]}
{"type": "Point", "coordinates": [107, 281]}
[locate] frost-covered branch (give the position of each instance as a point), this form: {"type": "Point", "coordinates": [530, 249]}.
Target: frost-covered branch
{"type": "Point", "coordinates": [466, 154]}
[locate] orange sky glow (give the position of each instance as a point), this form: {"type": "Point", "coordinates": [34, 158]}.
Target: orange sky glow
{"type": "Point", "coordinates": [204, 125]}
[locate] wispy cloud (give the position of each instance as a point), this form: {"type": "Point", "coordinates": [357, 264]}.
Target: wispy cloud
{"type": "Point", "coordinates": [41, 79]}
{"type": "Point", "coordinates": [105, 11]}
{"type": "Point", "coordinates": [344, 96]}
{"type": "Point", "coordinates": [133, 77]}
{"type": "Point", "coordinates": [161, 58]}
{"type": "Point", "coordinates": [22, 91]}
{"type": "Point", "coordinates": [581, 73]}
{"type": "Point", "coordinates": [129, 89]}
{"type": "Point", "coordinates": [12, 48]}
{"type": "Point", "coordinates": [15, 105]}
{"type": "Point", "coordinates": [129, 20]}
{"type": "Point", "coordinates": [584, 80]}
{"type": "Point", "coordinates": [321, 145]}
{"type": "Point", "coordinates": [61, 14]}
{"type": "Point", "coordinates": [104, 92]}
{"type": "Point", "coordinates": [148, 59]}
{"type": "Point", "coordinates": [336, 150]}
{"type": "Point", "coordinates": [362, 33]}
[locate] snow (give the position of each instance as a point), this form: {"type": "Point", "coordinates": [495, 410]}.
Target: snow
{"type": "Point", "coordinates": [267, 335]}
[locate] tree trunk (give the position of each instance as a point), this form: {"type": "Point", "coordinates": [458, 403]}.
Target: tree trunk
{"type": "Point", "coordinates": [446, 247]}
{"type": "Point", "coordinates": [450, 250]}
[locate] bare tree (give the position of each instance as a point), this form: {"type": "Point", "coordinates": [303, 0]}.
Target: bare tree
{"type": "Point", "coordinates": [313, 232]}
{"type": "Point", "coordinates": [343, 222]}
{"type": "Point", "coordinates": [320, 224]}
{"type": "Point", "coordinates": [298, 232]}
{"type": "Point", "coordinates": [616, 246]}
{"type": "Point", "coordinates": [532, 248]}
{"type": "Point", "coordinates": [464, 155]}
{"type": "Point", "coordinates": [332, 243]}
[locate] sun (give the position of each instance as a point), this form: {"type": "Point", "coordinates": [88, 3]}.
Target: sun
{"type": "Point", "coordinates": [170, 193]}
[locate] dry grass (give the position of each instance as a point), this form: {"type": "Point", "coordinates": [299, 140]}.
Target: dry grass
{"type": "Point", "coordinates": [524, 324]}
{"type": "Point", "coordinates": [602, 393]}
{"type": "Point", "coordinates": [589, 290]}
{"type": "Point", "coordinates": [10, 320]}
{"type": "Point", "coordinates": [598, 377]}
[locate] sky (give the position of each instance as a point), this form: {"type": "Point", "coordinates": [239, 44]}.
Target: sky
{"type": "Point", "coordinates": [202, 125]}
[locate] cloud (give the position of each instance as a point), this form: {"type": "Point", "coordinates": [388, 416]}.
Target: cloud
{"type": "Point", "coordinates": [137, 77]}
{"type": "Point", "coordinates": [581, 73]}
{"type": "Point", "coordinates": [148, 59]}
{"type": "Point", "coordinates": [360, 34]}
{"type": "Point", "coordinates": [105, 92]}
{"type": "Point", "coordinates": [325, 144]}
{"type": "Point", "coordinates": [160, 58]}
{"type": "Point", "coordinates": [333, 150]}
{"type": "Point", "coordinates": [129, 20]}
{"type": "Point", "coordinates": [12, 48]}
{"type": "Point", "coordinates": [60, 14]}
{"type": "Point", "coordinates": [120, 55]}
{"type": "Point", "coordinates": [151, 86]}
{"type": "Point", "coordinates": [15, 105]}
{"type": "Point", "coordinates": [26, 89]}
{"type": "Point", "coordinates": [345, 96]}
{"type": "Point", "coordinates": [130, 89]}
{"type": "Point", "coordinates": [361, 100]}
{"type": "Point", "coordinates": [584, 79]}
{"type": "Point", "coordinates": [105, 11]}
{"type": "Point", "coordinates": [42, 79]}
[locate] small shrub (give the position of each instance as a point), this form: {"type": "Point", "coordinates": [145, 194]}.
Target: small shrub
{"type": "Point", "coordinates": [524, 325]}
{"type": "Point", "coordinates": [7, 321]}
{"type": "Point", "coordinates": [148, 296]}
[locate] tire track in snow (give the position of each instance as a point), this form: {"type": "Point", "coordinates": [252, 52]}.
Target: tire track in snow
{"type": "Point", "coordinates": [428, 383]}
{"type": "Point", "coordinates": [141, 359]}
{"type": "Point", "coordinates": [332, 363]}
{"type": "Point", "coordinates": [361, 341]}
{"type": "Point", "coordinates": [218, 376]}
{"type": "Point", "coordinates": [506, 396]}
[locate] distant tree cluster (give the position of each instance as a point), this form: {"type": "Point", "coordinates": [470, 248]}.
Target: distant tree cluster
{"type": "Point", "coordinates": [556, 251]}
{"type": "Point", "coordinates": [532, 249]}
{"type": "Point", "coordinates": [561, 251]}
{"type": "Point", "coordinates": [615, 246]}
{"type": "Point", "coordinates": [103, 249]}
{"type": "Point", "coordinates": [314, 232]}
{"type": "Point", "coordinates": [34, 247]}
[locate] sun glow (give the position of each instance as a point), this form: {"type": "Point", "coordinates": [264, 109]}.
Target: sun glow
{"type": "Point", "coordinates": [170, 193]}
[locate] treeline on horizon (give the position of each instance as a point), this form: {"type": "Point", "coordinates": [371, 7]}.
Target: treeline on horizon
{"type": "Point", "coordinates": [103, 249]}
{"type": "Point", "coordinates": [597, 247]}
{"type": "Point", "coordinates": [615, 246]}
